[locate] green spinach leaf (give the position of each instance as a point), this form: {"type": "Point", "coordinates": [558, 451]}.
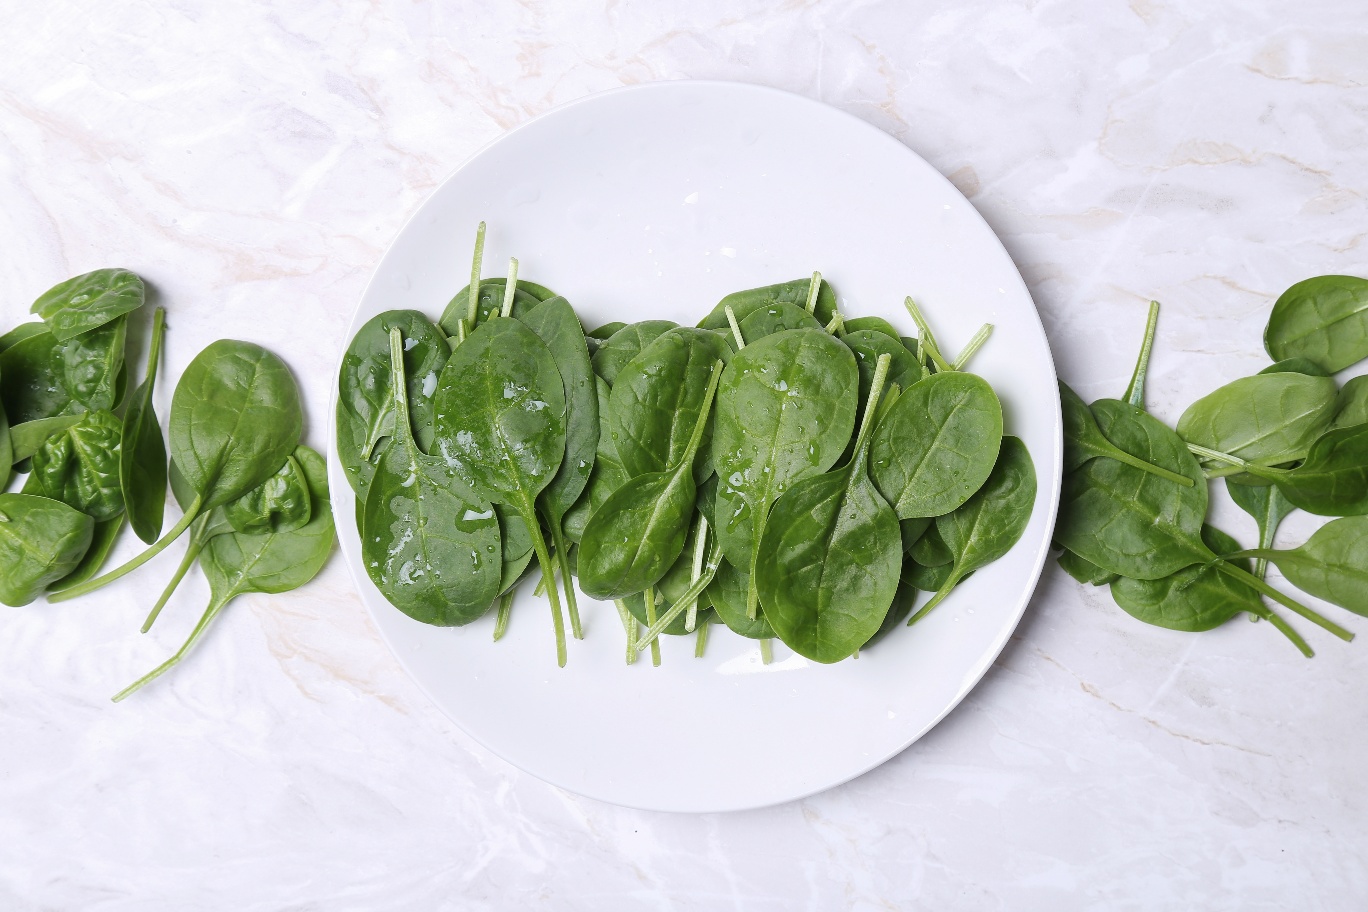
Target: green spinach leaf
{"type": "Point", "coordinates": [89, 301]}
{"type": "Point", "coordinates": [1324, 319]}
{"type": "Point", "coordinates": [41, 541]}
{"type": "Point", "coordinates": [1268, 418]}
{"type": "Point", "coordinates": [744, 303]}
{"type": "Point", "coordinates": [1269, 508]}
{"type": "Point", "coordinates": [625, 344]}
{"type": "Point", "coordinates": [80, 466]}
{"type": "Point", "coordinates": [1084, 440]}
{"type": "Point", "coordinates": [142, 450]}
{"type": "Point", "coordinates": [1332, 565]}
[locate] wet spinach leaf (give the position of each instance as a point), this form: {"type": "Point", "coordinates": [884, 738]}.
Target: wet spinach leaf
{"type": "Point", "coordinates": [525, 299]}
{"type": "Point", "coordinates": [32, 385]}
{"type": "Point", "coordinates": [903, 370]}
{"type": "Point", "coordinates": [625, 344]}
{"type": "Point", "coordinates": [879, 325]}
{"type": "Point", "coordinates": [744, 303]}
{"type": "Point", "coordinates": [776, 318]}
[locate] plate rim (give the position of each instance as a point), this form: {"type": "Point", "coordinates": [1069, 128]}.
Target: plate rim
{"type": "Point", "coordinates": [1054, 477]}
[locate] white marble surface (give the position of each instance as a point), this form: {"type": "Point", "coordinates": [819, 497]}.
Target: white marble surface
{"type": "Point", "coordinates": [253, 161]}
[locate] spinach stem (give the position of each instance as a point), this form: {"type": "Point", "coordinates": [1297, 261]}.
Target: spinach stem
{"type": "Point", "coordinates": [702, 639]}
{"type": "Point", "coordinates": [936, 599]}
{"type": "Point", "coordinates": [657, 625]}
{"type": "Point", "coordinates": [1129, 459]}
{"type": "Point", "coordinates": [505, 609]}
{"type": "Point", "coordinates": [696, 571]}
{"type": "Point", "coordinates": [150, 552]}
{"type": "Point", "coordinates": [191, 553]}
{"type": "Point", "coordinates": [563, 558]}
{"type": "Point", "coordinates": [834, 328]}
{"type": "Point", "coordinates": [927, 340]}
{"type": "Point", "coordinates": [1286, 629]}
{"type": "Point", "coordinates": [629, 624]}
{"type": "Point", "coordinates": [766, 651]}
{"type": "Point", "coordinates": [1135, 391]}
{"type": "Point", "coordinates": [540, 588]}
{"type": "Point", "coordinates": [813, 288]}
{"type": "Point", "coordinates": [1259, 585]}
{"type": "Point", "coordinates": [650, 622]}
{"type": "Point", "coordinates": [473, 310]}
{"type": "Point", "coordinates": [548, 570]}
{"type": "Point", "coordinates": [735, 328]}
{"type": "Point", "coordinates": [510, 288]}
{"type": "Point", "coordinates": [974, 345]}
{"type": "Point", "coordinates": [215, 606]}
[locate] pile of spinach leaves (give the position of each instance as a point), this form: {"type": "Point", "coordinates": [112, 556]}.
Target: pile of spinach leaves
{"type": "Point", "coordinates": [771, 470]}
{"type": "Point", "coordinates": [1133, 512]}
{"type": "Point", "coordinates": [254, 499]}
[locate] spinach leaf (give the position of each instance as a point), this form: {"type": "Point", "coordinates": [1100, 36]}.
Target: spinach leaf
{"type": "Point", "coordinates": [1332, 565]}
{"type": "Point", "coordinates": [785, 411]}
{"type": "Point", "coordinates": [89, 301]}
{"type": "Point", "coordinates": [1351, 406]}
{"type": "Point", "coordinates": [1296, 366]}
{"type": "Point", "coordinates": [500, 420]}
{"type": "Point", "coordinates": [236, 564]}
{"type": "Point", "coordinates": [727, 594]}
{"type": "Point", "coordinates": [991, 521]}
{"type": "Point", "coordinates": [6, 451]}
{"type": "Point", "coordinates": [830, 554]}
{"type": "Point", "coordinates": [879, 325]}
{"type": "Point", "coordinates": [1197, 598]}
{"type": "Point", "coordinates": [102, 542]}
{"type": "Point", "coordinates": [927, 579]}
{"type": "Point", "coordinates": [1084, 571]}
{"type": "Point", "coordinates": [776, 318]}
{"type": "Point", "coordinates": [429, 544]}
{"type": "Point", "coordinates": [80, 466]}
{"type": "Point", "coordinates": [142, 449]}
{"type": "Point", "coordinates": [1084, 440]}
{"type": "Point", "coordinates": [1324, 319]}
{"type": "Point", "coordinates": [912, 530]}
{"type": "Point", "coordinates": [607, 476]}
{"type": "Point", "coordinates": [1333, 481]}
{"type": "Point", "coordinates": [625, 344]}
{"type": "Point", "coordinates": [1268, 418]}
{"type": "Point", "coordinates": [655, 403]}
{"type": "Point", "coordinates": [365, 397]}
{"type": "Point", "coordinates": [32, 385]}
{"type": "Point", "coordinates": [1269, 508]}
{"type": "Point", "coordinates": [525, 299]}
{"type": "Point", "coordinates": [937, 445]}
{"type": "Point", "coordinates": [633, 539]}
{"type": "Point", "coordinates": [903, 369]}
{"type": "Point", "coordinates": [684, 592]}
{"type": "Point", "coordinates": [22, 332]}
{"type": "Point", "coordinates": [41, 541]}
{"type": "Point", "coordinates": [235, 416]}
{"type": "Point", "coordinates": [92, 366]}
{"type": "Point", "coordinates": [281, 503]}
{"type": "Point", "coordinates": [931, 550]}
{"type": "Point", "coordinates": [26, 438]}
{"type": "Point", "coordinates": [744, 303]}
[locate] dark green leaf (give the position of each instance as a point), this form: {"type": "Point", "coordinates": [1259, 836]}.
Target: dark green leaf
{"type": "Point", "coordinates": [625, 344]}
{"type": "Point", "coordinates": [89, 301]}
{"type": "Point", "coordinates": [41, 541]}
{"type": "Point", "coordinates": [1268, 418]}
{"type": "Point", "coordinates": [1333, 565]}
{"type": "Point", "coordinates": [1324, 319]}
{"type": "Point", "coordinates": [80, 466]}
{"type": "Point", "coordinates": [490, 303]}
{"type": "Point", "coordinates": [1084, 440]}
{"type": "Point", "coordinates": [775, 318]}
{"type": "Point", "coordinates": [1084, 571]}
{"type": "Point", "coordinates": [1268, 506]}
{"type": "Point", "coordinates": [903, 370]}
{"type": "Point", "coordinates": [727, 594]}
{"type": "Point", "coordinates": [142, 451]}
{"type": "Point", "coordinates": [102, 542]}
{"type": "Point", "coordinates": [744, 303]}
{"type": "Point", "coordinates": [1195, 598]}
{"type": "Point", "coordinates": [92, 365]}
{"type": "Point", "coordinates": [278, 504]}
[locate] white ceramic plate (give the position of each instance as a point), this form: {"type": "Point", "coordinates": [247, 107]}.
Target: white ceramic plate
{"type": "Point", "coordinates": [654, 202]}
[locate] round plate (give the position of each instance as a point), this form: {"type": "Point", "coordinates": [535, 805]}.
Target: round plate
{"type": "Point", "coordinates": [654, 202]}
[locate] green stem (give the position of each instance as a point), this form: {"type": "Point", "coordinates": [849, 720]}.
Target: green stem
{"type": "Point", "coordinates": [657, 625]}
{"type": "Point", "coordinates": [1259, 585]}
{"type": "Point", "coordinates": [735, 328]}
{"type": "Point", "coordinates": [939, 597]}
{"type": "Point", "coordinates": [837, 326]}
{"type": "Point", "coordinates": [473, 311]}
{"type": "Point", "coordinates": [702, 639]}
{"type": "Point", "coordinates": [215, 606]}
{"type": "Point", "coordinates": [974, 345]}
{"type": "Point", "coordinates": [188, 561]}
{"type": "Point", "coordinates": [1120, 455]}
{"type": "Point", "coordinates": [563, 559]}
{"type": "Point", "coordinates": [650, 622]}
{"type": "Point", "coordinates": [505, 610]}
{"type": "Point", "coordinates": [540, 589]}
{"type": "Point", "coordinates": [766, 652]}
{"type": "Point", "coordinates": [813, 289]}
{"type": "Point", "coordinates": [1237, 465]}
{"type": "Point", "coordinates": [152, 551]}
{"type": "Point", "coordinates": [629, 625]}
{"type": "Point", "coordinates": [927, 340]}
{"type": "Point", "coordinates": [1135, 391]}
{"type": "Point", "coordinates": [548, 569]}
{"type": "Point", "coordinates": [1286, 629]}
{"type": "Point", "coordinates": [510, 288]}
{"type": "Point", "coordinates": [696, 572]}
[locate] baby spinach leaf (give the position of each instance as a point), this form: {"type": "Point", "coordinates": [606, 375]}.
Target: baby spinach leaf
{"type": "Point", "coordinates": [991, 521]}
{"type": "Point", "coordinates": [32, 385]}
{"type": "Point", "coordinates": [142, 449]}
{"type": "Point", "coordinates": [1332, 565]}
{"type": "Point", "coordinates": [1084, 571]}
{"type": "Point", "coordinates": [281, 503]}
{"type": "Point", "coordinates": [525, 299]}
{"type": "Point", "coordinates": [1324, 319]}
{"type": "Point", "coordinates": [22, 332]}
{"type": "Point", "coordinates": [428, 543]}
{"type": "Point", "coordinates": [655, 403]}
{"type": "Point", "coordinates": [879, 325]}
{"type": "Point", "coordinates": [41, 541]}
{"type": "Point", "coordinates": [912, 530]}
{"type": "Point", "coordinates": [776, 318]}
{"type": "Point", "coordinates": [89, 301]}
{"type": "Point", "coordinates": [830, 554]}
{"type": "Point", "coordinates": [937, 445]}
{"type": "Point", "coordinates": [1351, 406]}
{"type": "Point", "coordinates": [365, 398]}
{"type": "Point", "coordinates": [235, 416]}
{"type": "Point", "coordinates": [625, 344]}
{"type": "Point", "coordinates": [903, 369]}
{"type": "Point", "coordinates": [785, 411]}
{"type": "Point", "coordinates": [6, 451]}
{"type": "Point", "coordinates": [927, 579]}
{"type": "Point", "coordinates": [1267, 418]}
{"type": "Point", "coordinates": [1084, 440]}
{"type": "Point", "coordinates": [727, 594]}
{"type": "Point", "coordinates": [1333, 481]}
{"type": "Point", "coordinates": [92, 365]}
{"type": "Point", "coordinates": [931, 550]}
{"type": "Point", "coordinates": [102, 542]}
{"type": "Point", "coordinates": [80, 466]}
{"type": "Point", "coordinates": [1296, 366]}
{"type": "Point", "coordinates": [500, 422]}
{"type": "Point", "coordinates": [633, 539]}
{"type": "Point", "coordinates": [744, 303]}
{"type": "Point", "coordinates": [236, 564]}
{"type": "Point", "coordinates": [26, 438]}
{"type": "Point", "coordinates": [607, 476]}
{"type": "Point", "coordinates": [1269, 508]}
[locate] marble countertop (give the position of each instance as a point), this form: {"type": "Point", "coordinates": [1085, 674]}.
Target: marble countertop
{"type": "Point", "coordinates": [253, 161]}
